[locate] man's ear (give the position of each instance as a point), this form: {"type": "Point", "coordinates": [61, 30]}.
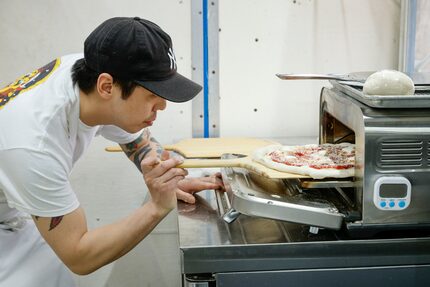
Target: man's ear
{"type": "Point", "coordinates": [105, 85]}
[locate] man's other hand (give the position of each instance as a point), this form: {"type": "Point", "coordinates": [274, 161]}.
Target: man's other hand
{"type": "Point", "coordinates": [188, 186]}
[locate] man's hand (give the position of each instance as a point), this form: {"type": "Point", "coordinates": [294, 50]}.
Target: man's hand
{"type": "Point", "coordinates": [188, 186]}
{"type": "Point", "coordinates": [144, 152]}
{"type": "Point", "coordinates": [162, 179]}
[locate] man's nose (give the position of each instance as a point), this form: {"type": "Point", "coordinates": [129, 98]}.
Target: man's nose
{"type": "Point", "coordinates": [162, 104]}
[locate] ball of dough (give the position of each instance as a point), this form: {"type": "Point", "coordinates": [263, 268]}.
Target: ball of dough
{"type": "Point", "coordinates": [388, 82]}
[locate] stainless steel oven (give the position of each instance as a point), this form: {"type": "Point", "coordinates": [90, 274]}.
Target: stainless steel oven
{"type": "Point", "coordinates": [371, 229]}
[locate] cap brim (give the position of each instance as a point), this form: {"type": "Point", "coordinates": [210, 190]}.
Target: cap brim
{"type": "Point", "coordinates": [176, 89]}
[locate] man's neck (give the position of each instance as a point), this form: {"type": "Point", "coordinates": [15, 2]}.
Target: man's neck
{"type": "Point", "coordinates": [89, 109]}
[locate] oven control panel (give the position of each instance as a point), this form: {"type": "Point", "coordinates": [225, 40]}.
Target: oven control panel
{"type": "Point", "coordinates": [392, 193]}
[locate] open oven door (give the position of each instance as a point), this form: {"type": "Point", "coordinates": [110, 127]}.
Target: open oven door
{"type": "Point", "coordinates": [322, 204]}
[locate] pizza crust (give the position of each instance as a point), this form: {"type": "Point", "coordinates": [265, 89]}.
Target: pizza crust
{"type": "Point", "coordinates": [261, 156]}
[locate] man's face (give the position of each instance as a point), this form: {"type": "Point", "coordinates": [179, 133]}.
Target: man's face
{"type": "Point", "coordinates": [138, 111]}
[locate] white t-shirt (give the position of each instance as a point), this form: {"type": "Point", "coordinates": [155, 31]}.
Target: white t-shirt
{"type": "Point", "coordinates": [42, 137]}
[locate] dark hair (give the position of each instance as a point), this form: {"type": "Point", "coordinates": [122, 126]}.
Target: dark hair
{"type": "Point", "coordinates": [86, 79]}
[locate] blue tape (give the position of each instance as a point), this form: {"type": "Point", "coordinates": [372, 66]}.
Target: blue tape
{"type": "Point", "coordinates": [205, 71]}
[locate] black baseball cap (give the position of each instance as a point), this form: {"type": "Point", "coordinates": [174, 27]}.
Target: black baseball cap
{"type": "Point", "coordinates": [132, 48]}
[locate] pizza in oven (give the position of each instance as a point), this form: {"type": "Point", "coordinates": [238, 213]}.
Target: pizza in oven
{"type": "Point", "coordinates": [316, 161]}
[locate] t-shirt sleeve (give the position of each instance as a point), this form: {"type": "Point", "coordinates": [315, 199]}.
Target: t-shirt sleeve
{"type": "Point", "coordinates": [117, 134]}
{"type": "Point", "coordinates": [37, 183]}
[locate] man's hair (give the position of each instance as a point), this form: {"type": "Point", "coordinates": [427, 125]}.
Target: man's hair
{"type": "Point", "coordinates": [86, 79]}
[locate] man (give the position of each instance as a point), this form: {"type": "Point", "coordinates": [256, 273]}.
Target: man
{"type": "Point", "coordinates": [47, 120]}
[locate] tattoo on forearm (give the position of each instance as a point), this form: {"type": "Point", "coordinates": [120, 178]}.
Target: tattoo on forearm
{"type": "Point", "coordinates": [55, 221]}
{"type": "Point", "coordinates": [131, 148]}
{"type": "Point", "coordinates": [140, 154]}
{"type": "Point", "coordinates": [159, 149]}
{"type": "Point", "coordinates": [141, 147]}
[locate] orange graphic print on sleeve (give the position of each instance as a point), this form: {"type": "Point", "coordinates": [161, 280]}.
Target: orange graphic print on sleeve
{"type": "Point", "coordinates": [27, 82]}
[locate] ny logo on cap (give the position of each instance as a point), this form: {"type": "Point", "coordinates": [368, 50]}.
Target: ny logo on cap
{"type": "Point", "coordinates": [172, 59]}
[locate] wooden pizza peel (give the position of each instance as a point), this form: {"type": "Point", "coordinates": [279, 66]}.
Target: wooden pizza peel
{"type": "Point", "coordinates": [206, 153]}
{"type": "Point", "coordinates": [242, 162]}
{"type": "Point", "coordinates": [212, 147]}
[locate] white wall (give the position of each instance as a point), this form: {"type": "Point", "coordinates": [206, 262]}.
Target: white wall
{"type": "Point", "coordinates": [293, 36]}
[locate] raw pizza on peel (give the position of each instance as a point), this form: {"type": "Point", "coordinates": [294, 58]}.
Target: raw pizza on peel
{"type": "Point", "coordinates": [316, 161]}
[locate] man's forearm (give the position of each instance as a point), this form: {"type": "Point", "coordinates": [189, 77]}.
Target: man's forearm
{"type": "Point", "coordinates": [143, 146]}
{"type": "Point", "coordinates": [104, 245]}
{"type": "Point", "coordinates": [85, 251]}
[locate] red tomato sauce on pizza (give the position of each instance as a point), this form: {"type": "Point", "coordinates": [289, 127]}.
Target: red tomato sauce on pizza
{"type": "Point", "coordinates": [318, 157]}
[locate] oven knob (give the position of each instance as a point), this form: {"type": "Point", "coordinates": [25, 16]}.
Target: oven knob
{"type": "Point", "coordinates": [402, 204]}
{"type": "Point", "coordinates": [391, 204]}
{"type": "Point", "coordinates": [383, 204]}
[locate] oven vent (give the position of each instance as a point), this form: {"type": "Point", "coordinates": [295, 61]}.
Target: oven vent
{"type": "Point", "coordinates": [404, 153]}
{"type": "Point", "coordinates": [428, 153]}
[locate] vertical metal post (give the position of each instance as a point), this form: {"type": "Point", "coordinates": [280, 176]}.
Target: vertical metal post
{"type": "Point", "coordinates": [408, 20]}
{"type": "Point", "coordinates": [197, 65]}
{"type": "Point", "coordinates": [205, 67]}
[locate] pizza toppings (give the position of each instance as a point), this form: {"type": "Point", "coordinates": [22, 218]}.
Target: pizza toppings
{"type": "Point", "coordinates": [317, 161]}
{"type": "Point", "coordinates": [319, 157]}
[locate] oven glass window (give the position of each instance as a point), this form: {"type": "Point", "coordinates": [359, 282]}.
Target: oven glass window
{"type": "Point", "coordinates": [388, 190]}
